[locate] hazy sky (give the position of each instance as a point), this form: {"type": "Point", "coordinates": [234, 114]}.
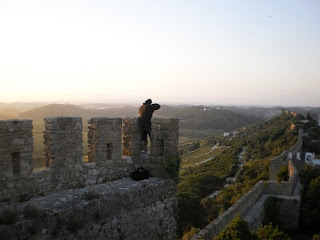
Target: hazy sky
{"type": "Point", "coordinates": [262, 52]}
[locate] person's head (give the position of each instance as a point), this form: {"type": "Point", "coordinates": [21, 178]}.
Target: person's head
{"type": "Point", "coordinates": [148, 101]}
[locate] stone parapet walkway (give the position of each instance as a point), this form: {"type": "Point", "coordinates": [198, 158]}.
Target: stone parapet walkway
{"type": "Point", "coordinates": [112, 210]}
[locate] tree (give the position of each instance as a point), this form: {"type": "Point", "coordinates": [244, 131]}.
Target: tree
{"type": "Point", "coordinates": [211, 209]}
{"type": "Point", "coordinates": [316, 237]}
{"type": "Point", "coordinates": [189, 212]}
{"type": "Point", "coordinates": [237, 230]}
{"type": "Point", "coordinates": [307, 174]}
{"type": "Point", "coordinates": [268, 232]}
{"type": "Point", "coordinates": [283, 174]}
{"type": "Point", "coordinates": [188, 235]}
{"type": "Point", "coordinates": [314, 191]}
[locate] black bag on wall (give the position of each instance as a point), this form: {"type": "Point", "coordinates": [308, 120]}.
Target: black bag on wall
{"type": "Point", "coordinates": [140, 174]}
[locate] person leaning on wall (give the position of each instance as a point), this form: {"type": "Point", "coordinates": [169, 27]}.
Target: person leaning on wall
{"type": "Point", "coordinates": [146, 111]}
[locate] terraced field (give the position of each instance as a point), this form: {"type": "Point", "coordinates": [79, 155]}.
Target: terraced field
{"type": "Point", "coordinates": [201, 155]}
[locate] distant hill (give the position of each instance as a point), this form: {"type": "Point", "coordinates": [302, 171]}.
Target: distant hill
{"type": "Point", "coordinates": [304, 110]}
{"type": "Point", "coordinates": [263, 112]}
{"type": "Point", "coordinates": [69, 110]}
{"type": "Point", "coordinates": [6, 116]}
{"type": "Point", "coordinates": [194, 117]}
{"type": "Point", "coordinates": [20, 106]}
{"type": "Point", "coordinates": [269, 112]}
{"type": "Point", "coordinates": [52, 110]}
{"type": "Point", "coordinates": [201, 117]}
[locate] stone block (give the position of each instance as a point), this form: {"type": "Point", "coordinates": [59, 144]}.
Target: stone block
{"type": "Point", "coordinates": [3, 126]}
{"type": "Point", "coordinates": [5, 143]}
{"type": "Point", "coordinates": [172, 145]}
{"type": "Point", "coordinates": [26, 125]}
{"type": "Point", "coordinates": [17, 141]}
{"type": "Point", "coordinates": [165, 135]}
{"type": "Point", "coordinates": [63, 141]}
{"type": "Point", "coordinates": [13, 126]}
{"type": "Point", "coordinates": [165, 124]}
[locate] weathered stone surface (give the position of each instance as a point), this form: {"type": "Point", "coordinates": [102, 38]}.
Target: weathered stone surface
{"type": "Point", "coordinates": [124, 210]}
{"type": "Point", "coordinates": [104, 139]}
{"type": "Point", "coordinates": [16, 146]}
{"type": "Point", "coordinates": [63, 141]}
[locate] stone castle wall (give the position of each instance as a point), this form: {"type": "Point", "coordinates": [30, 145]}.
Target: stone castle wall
{"type": "Point", "coordinates": [63, 154]}
{"type": "Point", "coordinates": [288, 215]}
{"type": "Point", "coordinates": [120, 209]}
{"type": "Point", "coordinates": [241, 207]}
{"type": "Point", "coordinates": [16, 146]}
{"type": "Point", "coordinates": [283, 159]}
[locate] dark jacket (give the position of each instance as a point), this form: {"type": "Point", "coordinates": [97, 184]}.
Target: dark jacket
{"type": "Point", "coordinates": [145, 117]}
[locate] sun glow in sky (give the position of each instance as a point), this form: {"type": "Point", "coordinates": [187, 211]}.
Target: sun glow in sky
{"type": "Point", "coordinates": [183, 51]}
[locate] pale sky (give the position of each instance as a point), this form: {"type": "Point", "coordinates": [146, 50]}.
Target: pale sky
{"type": "Point", "coordinates": [258, 52]}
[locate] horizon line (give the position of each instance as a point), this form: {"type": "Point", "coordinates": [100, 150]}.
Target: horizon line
{"type": "Point", "coordinates": [164, 103]}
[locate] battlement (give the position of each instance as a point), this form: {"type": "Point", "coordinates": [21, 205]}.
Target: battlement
{"type": "Point", "coordinates": [114, 152]}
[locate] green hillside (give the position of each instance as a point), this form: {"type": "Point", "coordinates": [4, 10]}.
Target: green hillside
{"type": "Point", "coordinates": [202, 117]}
{"type": "Point", "coordinates": [257, 144]}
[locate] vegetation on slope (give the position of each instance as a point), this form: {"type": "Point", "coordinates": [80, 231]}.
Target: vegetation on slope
{"type": "Point", "coordinates": [200, 117]}
{"type": "Point", "coordinates": [261, 142]}
{"type": "Point", "coordinates": [311, 142]}
{"type": "Point", "coordinates": [238, 229]}
{"type": "Point", "coordinates": [310, 204]}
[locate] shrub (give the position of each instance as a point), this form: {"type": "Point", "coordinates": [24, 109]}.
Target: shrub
{"type": "Point", "coordinates": [307, 174]}
{"type": "Point", "coordinates": [310, 204]}
{"type": "Point", "coordinates": [283, 174]}
{"type": "Point", "coordinates": [271, 209]}
{"type": "Point", "coordinates": [172, 166]}
{"type": "Point", "coordinates": [313, 193]}
{"type": "Point", "coordinates": [316, 237]}
{"type": "Point", "coordinates": [268, 232]}
{"type": "Point", "coordinates": [237, 229]}
{"type": "Point", "coordinates": [189, 212]}
{"type": "Point", "coordinates": [188, 235]}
